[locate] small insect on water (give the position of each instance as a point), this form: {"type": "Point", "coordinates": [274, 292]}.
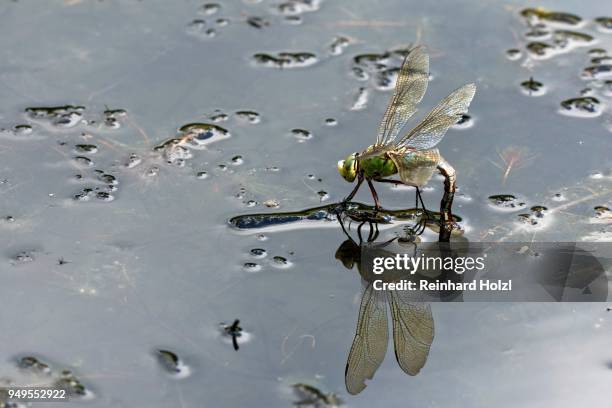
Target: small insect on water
{"type": "Point", "coordinates": [414, 156]}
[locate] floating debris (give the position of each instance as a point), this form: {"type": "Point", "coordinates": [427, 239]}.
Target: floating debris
{"type": "Point", "coordinates": [582, 107]}
{"type": "Point", "coordinates": [234, 331]}
{"type": "Point", "coordinates": [286, 59]}
{"type": "Point", "coordinates": [272, 203]}
{"type": "Point", "coordinates": [311, 396]}
{"type": "Point", "coordinates": [172, 364]}
{"type": "Point", "coordinates": [532, 87]}
{"type": "Point", "coordinates": [191, 136]}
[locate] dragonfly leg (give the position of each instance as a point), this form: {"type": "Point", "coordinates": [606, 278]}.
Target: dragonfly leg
{"type": "Point", "coordinates": [446, 216]}
{"type": "Point", "coordinates": [374, 195]}
{"type": "Point", "coordinates": [350, 196]}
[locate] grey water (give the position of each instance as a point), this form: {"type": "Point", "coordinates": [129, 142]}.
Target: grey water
{"type": "Point", "coordinates": [111, 249]}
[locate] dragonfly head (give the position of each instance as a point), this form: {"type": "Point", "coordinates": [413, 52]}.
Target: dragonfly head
{"type": "Point", "coordinates": [348, 167]}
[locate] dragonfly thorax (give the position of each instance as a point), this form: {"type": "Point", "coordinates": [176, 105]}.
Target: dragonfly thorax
{"type": "Point", "coordinates": [376, 166]}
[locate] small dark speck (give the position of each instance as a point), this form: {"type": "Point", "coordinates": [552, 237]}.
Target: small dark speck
{"type": "Point", "coordinates": [62, 261]}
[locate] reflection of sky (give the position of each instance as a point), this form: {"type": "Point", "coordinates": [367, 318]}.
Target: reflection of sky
{"type": "Point", "coordinates": [158, 267]}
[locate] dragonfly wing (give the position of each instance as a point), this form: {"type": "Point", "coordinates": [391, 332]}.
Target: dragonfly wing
{"type": "Point", "coordinates": [370, 342]}
{"type": "Point", "coordinates": [432, 129]}
{"type": "Point", "coordinates": [409, 90]}
{"type": "Point", "coordinates": [416, 167]}
{"type": "Point", "coordinates": [413, 331]}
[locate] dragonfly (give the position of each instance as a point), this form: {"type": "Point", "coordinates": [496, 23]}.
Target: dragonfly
{"type": "Point", "coordinates": [414, 155]}
{"type": "Point", "coordinates": [412, 320]}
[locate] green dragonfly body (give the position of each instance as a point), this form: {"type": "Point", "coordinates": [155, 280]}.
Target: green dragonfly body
{"type": "Point", "coordinates": [413, 156]}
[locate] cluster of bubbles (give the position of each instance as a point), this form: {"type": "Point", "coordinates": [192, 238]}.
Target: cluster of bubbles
{"type": "Point", "coordinates": [553, 33]}
{"type": "Point", "coordinates": [202, 28]}
{"type": "Point", "coordinates": [261, 254]}
{"type": "Point", "coordinates": [59, 379]}
{"type": "Point", "coordinates": [101, 185]}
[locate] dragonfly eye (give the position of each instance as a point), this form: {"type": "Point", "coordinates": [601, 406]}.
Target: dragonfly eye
{"type": "Point", "coordinates": [348, 168]}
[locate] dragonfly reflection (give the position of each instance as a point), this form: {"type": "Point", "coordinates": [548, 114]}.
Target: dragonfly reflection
{"type": "Point", "coordinates": [412, 319]}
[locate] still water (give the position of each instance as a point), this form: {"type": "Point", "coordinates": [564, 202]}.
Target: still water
{"type": "Point", "coordinates": [175, 117]}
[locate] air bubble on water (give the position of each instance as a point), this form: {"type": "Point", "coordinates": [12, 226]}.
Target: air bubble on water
{"type": "Point", "coordinates": [559, 197]}
{"type": "Point", "coordinates": [257, 22]}
{"type": "Point", "coordinates": [251, 267]}
{"type": "Point", "coordinates": [104, 196]}
{"type": "Point", "coordinates": [464, 122]}
{"type": "Point", "coordinates": [60, 116]}
{"type": "Point", "coordinates": [152, 171]}
{"type": "Point", "coordinates": [604, 24]}
{"type": "Point", "coordinates": [209, 8]}
{"type": "Point", "coordinates": [294, 20]}
{"type": "Point", "coordinates": [22, 130]}
{"type": "Point", "coordinates": [604, 59]}
{"type": "Point", "coordinates": [331, 122]}
{"type": "Point", "coordinates": [202, 175]}
{"type": "Point", "coordinates": [582, 107]}
{"type": "Point", "coordinates": [258, 253]}
{"type": "Point", "coordinates": [281, 262]}
{"type": "Point", "coordinates": [248, 116]}
{"type": "Point", "coordinates": [285, 59]}
{"type": "Point", "coordinates": [133, 160]}
{"type": "Point", "coordinates": [222, 22]}
{"type": "Point", "coordinates": [23, 257]}
{"type": "Point", "coordinates": [262, 237]}
{"type": "Point", "coordinates": [85, 148]}
{"type": "Point", "coordinates": [297, 7]}
{"type": "Point", "coordinates": [251, 203]}
{"type": "Point", "coordinates": [237, 160]}
{"type": "Point", "coordinates": [301, 134]}
{"type": "Point", "coordinates": [506, 202]}
{"type": "Point", "coordinates": [83, 161]}
{"type": "Point", "coordinates": [219, 116]}
{"type": "Point", "coordinates": [599, 71]}
{"type": "Point", "coordinates": [541, 50]}
{"type": "Point", "coordinates": [339, 44]}
{"type": "Point", "coordinates": [323, 195]}
{"type": "Point", "coordinates": [514, 54]}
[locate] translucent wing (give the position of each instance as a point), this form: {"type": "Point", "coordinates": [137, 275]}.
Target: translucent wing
{"type": "Point", "coordinates": [432, 129]}
{"type": "Point", "coordinates": [370, 342]}
{"type": "Point", "coordinates": [409, 90]}
{"type": "Point", "coordinates": [413, 331]}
